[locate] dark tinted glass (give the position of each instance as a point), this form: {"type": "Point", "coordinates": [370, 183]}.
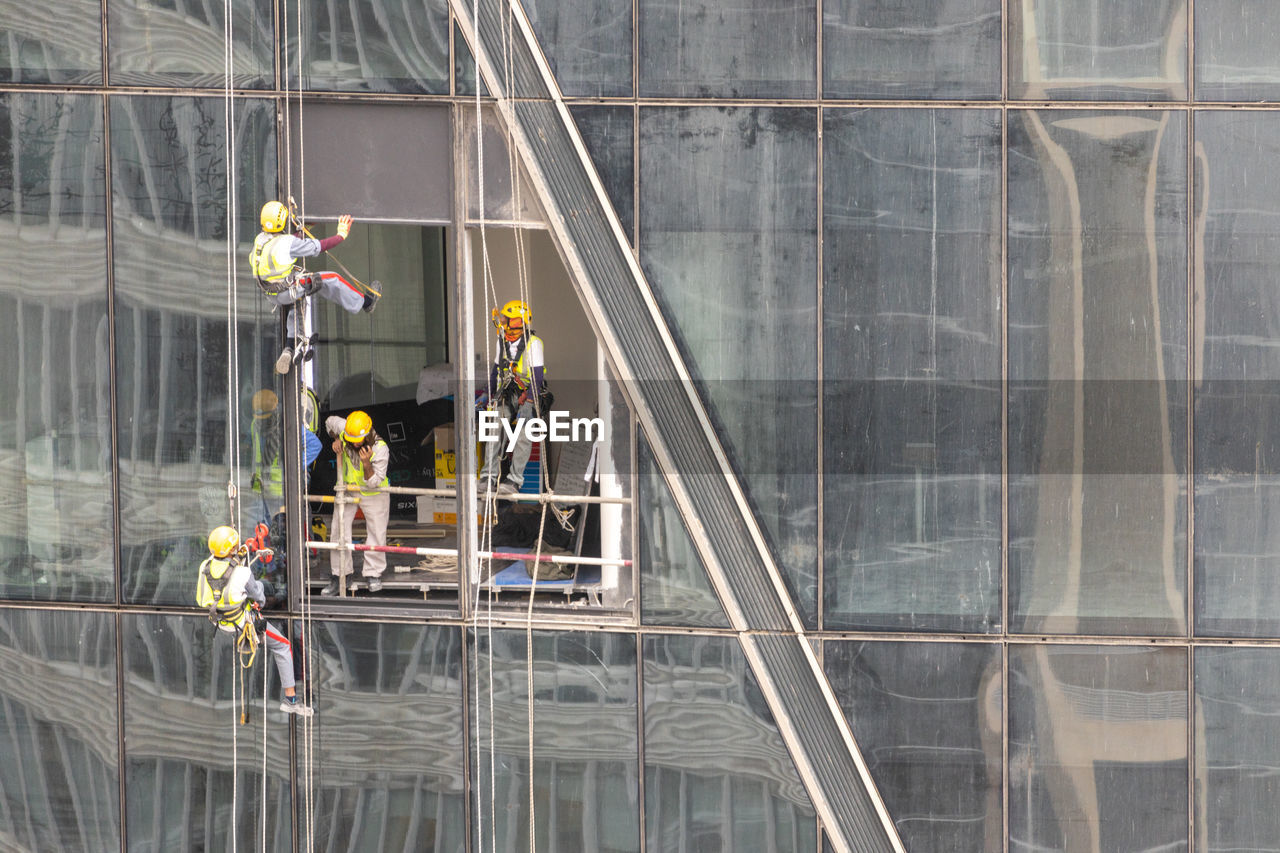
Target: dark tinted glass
{"type": "Point", "coordinates": [183, 43]}
{"type": "Point", "coordinates": [194, 774]}
{"type": "Point", "coordinates": [388, 750]}
{"type": "Point", "coordinates": [59, 748]}
{"type": "Point", "coordinates": [674, 586]}
{"type": "Point", "coordinates": [376, 46]}
{"type": "Point", "coordinates": [585, 752]}
{"type": "Point", "coordinates": [55, 418]}
{"type": "Point", "coordinates": [1237, 749]}
{"type": "Point", "coordinates": [55, 41]}
{"type": "Point", "coordinates": [586, 42]}
{"type": "Point", "coordinates": [1097, 748]}
{"type": "Point", "coordinates": [1088, 51]}
{"type": "Point", "coordinates": [911, 49]}
{"type": "Point", "coordinates": [1237, 400]}
{"type": "Point", "coordinates": [728, 200]}
{"type": "Point", "coordinates": [1097, 367]}
{"type": "Point", "coordinates": [911, 369]}
{"type": "Point", "coordinates": [172, 269]}
{"type": "Point", "coordinates": [717, 773]}
{"type": "Point", "coordinates": [705, 49]}
{"type": "Point", "coordinates": [607, 133]}
{"type": "Point", "coordinates": [928, 718]}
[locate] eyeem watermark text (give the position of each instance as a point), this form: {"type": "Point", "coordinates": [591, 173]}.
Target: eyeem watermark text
{"type": "Point", "coordinates": [558, 427]}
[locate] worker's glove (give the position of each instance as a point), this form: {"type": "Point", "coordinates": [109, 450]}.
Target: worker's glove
{"type": "Point", "coordinates": [344, 226]}
{"type": "Point", "coordinates": [482, 399]}
{"type": "Point", "coordinates": [524, 397]}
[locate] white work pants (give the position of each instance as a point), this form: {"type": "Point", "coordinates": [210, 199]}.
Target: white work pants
{"type": "Point", "coordinates": [377, 512]}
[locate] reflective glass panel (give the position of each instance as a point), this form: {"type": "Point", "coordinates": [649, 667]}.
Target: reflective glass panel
{"type": "Point", "coordinates": [1236, 58]}
{"type": "Point", "coordinates": [1237, 398]}
{"type": "Point", "coordinates": [705, 49]}
{"type": "Point", "coordinates": [928, 718]}
{"type": "Point", "coordinates": [170, 223]}
{"type": "Point", "coordinates": [1097, 367]}
{"type": "Point", "coordinates": [59, 748]}
{"type": "Point", "coordinates": [388, 745]}
{"type": "Point", "coordinates": [1097, 748]}
{"type": "Point", "coordinates": [1237, 748]}
{"type": "Point", "coordinates": [58, 41]}
{"type": "Point", "coordinates": [55, 419]}
{"type": "Point", "coordinates": [375, 46]}
{"type": "Point", "coordinates": [607, 133]}
{"type": "Point", "coordinates": [182, 705]}
{"type": "Point", "coordinates": [183, 43]}
{"type": "Point", "coordinates": [728, 240]}
{"type": "Point", "coordinates": [911, 49]}
{"type": "Point", "coordinates": [717, 773]}
{"type": "Point", "coordinates": [585, 751]}
{"type": "Point", "coordinates": [586, 42]}
{"type": "Point", "coordinates": [674, 586]}
{"type": "Point", "coordinates": [1084, 50]}
{"type": "Point", "coordinates": [911, 369]}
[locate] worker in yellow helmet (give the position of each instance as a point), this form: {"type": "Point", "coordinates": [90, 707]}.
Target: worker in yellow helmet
{"type": "Point", "coordinates": [362, 459]}
{"type": "Point", "coordinates": [273, 258]}
{"type": "Point", "coordinates": [233, 597]}
{"type": "Point", "coordinates": [518, 389]}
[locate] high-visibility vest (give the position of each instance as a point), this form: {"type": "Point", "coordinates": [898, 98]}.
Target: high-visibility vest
{"type": "Point", "coordinates": [269, 470]}
{"type": "Point", "coordinates": [353, 473]}
{"type": "Point", "coordinates": [519, 366]}
{"type": "Point", "coordinates": [213, 594]}
{"type": "Point", "coordinates": [271, 260]}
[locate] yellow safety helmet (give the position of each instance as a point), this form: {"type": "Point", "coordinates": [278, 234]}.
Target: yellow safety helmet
{"type": "Point", "coordinates": [357, 427]}
{"type": "Point", "coordinates": [265, 403]}
{"type": "Point", "coordinates": [512, 319]}
{"type": "Point", "coordinates": [274, 216]}
{"type": "Point", "coordinates": [223, 541]}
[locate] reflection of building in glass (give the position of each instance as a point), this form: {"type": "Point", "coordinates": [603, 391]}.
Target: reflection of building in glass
{"type": "Point", "coordinates": [935, 346]}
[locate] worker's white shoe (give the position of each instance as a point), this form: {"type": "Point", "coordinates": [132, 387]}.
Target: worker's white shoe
{"type": "Point", "coordinates": [296, 708]}
{"type": "Point", "coordinates": [284, 360]}
{"type": "Point", "coordinates": [507, 487]}
{"type": "Point", "coordinates": [375, 584]}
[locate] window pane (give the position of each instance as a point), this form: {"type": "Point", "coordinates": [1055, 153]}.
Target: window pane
{"type": "Point", "coordinates": [170, 240]}
{"type": "Point", "coordinates": [183, 43]}
{"type": "Point", "coordinates": [1237, 748]}
{"type": "Point", "coordinates": [182, 677]}
{"type": "Point", "coordinates": [911, 368]}
{"type": "Point", "coordinates": [58, 41]}
{"type": "Point", "coordinates": [59, 756]}
{"type": "Point", "coordinates": [727, 201]}
{"type": "Point", "coordinates": [378, 46]}
{"type": "Point", "coordinates": [704, 49]}
{"type": "Point", "coordinates": [1236, 58]}
{"type": "Point", "coordinates": [1088, 51]}
{"type": "Point", "coordinates": [717, 773]}
{"type": "Point", "coordinates": [911, 49]}
{"type": "Point", "coordinates": [388, 741]}
{"type": "Point", "coordinates": [585, 746]}
{"type": "Point", "coordinates": [929, 722]}
{"type": "Point", "coordinates": [55, 422]}
{"type": "Point", "coordinates": [587, 43]}
{"type": "Point", "coordinates": [675, 589]}
{"type": "Point", "coordinates": [607, 133]}
{"type": "Point", "coordinates": [1097, 748]}
{"type": "Point", "coordinates": [1237, 400]}
{"type": "Point", "coordinates": [1097, 360]}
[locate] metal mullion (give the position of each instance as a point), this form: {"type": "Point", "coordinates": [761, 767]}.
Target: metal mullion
{"type": "Point", "coordinates": [820, 338]}
{"type": "Point", "coordinates": [640, 760]}
{"type": "Point", "coordinates": [1190, 458]}
{"type": "Point", "coordinates": [1005, 615]}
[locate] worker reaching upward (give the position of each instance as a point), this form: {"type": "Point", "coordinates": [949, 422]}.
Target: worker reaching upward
{"type": "Point", "coordinates": [273, 260]}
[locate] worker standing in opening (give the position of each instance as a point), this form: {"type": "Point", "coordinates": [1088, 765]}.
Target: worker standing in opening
{"type": "Point", "coordinates": [362, 459]}
{"type": "Point", "coordinates": [234, 597]}
{"type": "Point", "coordinates": [517, 388]}
{"type": "Point", "coordinates": [272, 260]}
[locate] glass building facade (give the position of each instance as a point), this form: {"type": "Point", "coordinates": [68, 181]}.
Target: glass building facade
{"type": "Point", "coordinates": [974, 295]}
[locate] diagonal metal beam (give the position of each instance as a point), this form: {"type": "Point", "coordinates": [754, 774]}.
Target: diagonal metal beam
{"type": "Point", "coordinates": [643, 353]}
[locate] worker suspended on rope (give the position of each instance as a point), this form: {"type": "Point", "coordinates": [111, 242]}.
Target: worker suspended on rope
{"type": "Point", "coordinates": [517, 389]}
{"type": "Point", "coordinates": [362, 458]}
{"type": "Point", "coordinates": [272, 260]}
{"type": "Point", "coordinates": [234, 597]}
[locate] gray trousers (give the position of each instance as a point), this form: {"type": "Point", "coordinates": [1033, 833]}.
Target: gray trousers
{"type": "Point", "coordinates": [281, 651]}
{"type": "Point", "coordinates": [493, 450]}
{"type": "Point", "coordinates": [333, 287]}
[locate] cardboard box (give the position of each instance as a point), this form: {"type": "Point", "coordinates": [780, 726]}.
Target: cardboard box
{"type": "Point", "coordinates": [442, 510]}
